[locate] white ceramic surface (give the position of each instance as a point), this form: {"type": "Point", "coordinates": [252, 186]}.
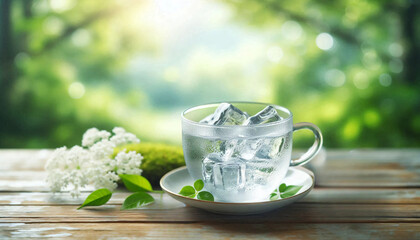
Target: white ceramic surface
{"type": "Point", "coordinates": [174, 180]}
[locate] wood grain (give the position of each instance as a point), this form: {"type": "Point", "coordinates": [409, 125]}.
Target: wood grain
{"type": "Point", "coordinates": [297, 213]}
{"type": "Point", "coordinates": [212, 231]}
{"type": "Point", "coordinates": [359, 194]}
{"type": "Point", "coordinates": [367, 178]}
{"type": "Point", "coordinates": [318, 195]}
{"type": "Point", "coordinates": [367, 168]}
{"type": "Point", "coordinates": [23, 181]}
{"type": "Point", "coordinates": [23, 159]}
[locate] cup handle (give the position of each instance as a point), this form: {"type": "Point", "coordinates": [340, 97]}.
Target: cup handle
{"type": "Point", "coordinates": [314, 149]}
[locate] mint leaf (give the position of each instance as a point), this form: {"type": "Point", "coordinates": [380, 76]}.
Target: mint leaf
{"type": "Point", "coordinates": [137, 200]}
{"type": "Point", "coordinates": [136, 183]}
{"type": "Point", "coordinates": [274, 196]}
{"type": "Point", "coordinates": [198, 185]}
{"type": "Point", "coordinates": [284, 191]}
{"type": "Point", "coordinates": [282, 187]}
{"type": "Point", "coordinates": [204, 195]}
{"type": "Point", "coordinates": [187, 191]}
{"type": "Point", "coordinates": [97, 198]}
{"type": "Point", "coordinates": [289, 191]}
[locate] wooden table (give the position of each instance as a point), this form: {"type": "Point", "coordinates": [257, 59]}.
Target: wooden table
{"type": "Point", "coordinates": [359, 194]}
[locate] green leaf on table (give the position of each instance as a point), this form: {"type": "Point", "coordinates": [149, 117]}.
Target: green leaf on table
{"type": "Point", "coordinates": [204, 195]}
{"type": "Point", "coordinates": [137, 200]}
{"type": "Point", "coordinates": [198, 185]}
{"type": "Point", "coordinates": [136, 183]}
{"type": "Point", "coordinates": [188, 191]}
{"type": "Point", "coordinates": [290, 191]}
{"type": "Point", "coordinates": [97, 198]}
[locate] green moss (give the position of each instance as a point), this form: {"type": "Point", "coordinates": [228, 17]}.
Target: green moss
{"type": "Point", "coordinates": [158, 159]}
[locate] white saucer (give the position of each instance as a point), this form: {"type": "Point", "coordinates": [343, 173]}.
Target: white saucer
{"type": "Point", "coordinates": [174, 180]}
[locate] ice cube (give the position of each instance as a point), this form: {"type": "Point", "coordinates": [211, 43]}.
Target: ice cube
{"type": "Point", "coordinates": [260, 164]}
{"type": "Point", "coordinates": [247, 148]}
{"type": "Point", "coordinates": [229, 148]}
{"type": "Point", "coordinates": [208, 164]}
{"type": "Point", "coordinates": [267, 115]}
{"type": "Point", "coordinates": [229, 175]}
{"type": "Point", "coordinates": [258, 171]}
{"type": "Point", "coordinates": [226, 114]}
{"type": "Point", "coordinates": [261, 147]}
{"type": "Point", "coordinates": [270, 147]}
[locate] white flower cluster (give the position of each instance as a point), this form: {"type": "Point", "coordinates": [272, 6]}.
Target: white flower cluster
{"type": "Point", "coordinates": [92, 164]}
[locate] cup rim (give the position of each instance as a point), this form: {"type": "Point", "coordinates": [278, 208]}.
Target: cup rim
{"type": "Point", "coordinates": [284, 120]}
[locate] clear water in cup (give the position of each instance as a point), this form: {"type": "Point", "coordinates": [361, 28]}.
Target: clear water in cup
{"type": "Point", "coordinates": [250, 171]}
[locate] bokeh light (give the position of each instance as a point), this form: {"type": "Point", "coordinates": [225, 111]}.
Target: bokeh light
{"type": "Point", "coordinates": [324, 41]}
{"type": "Point", "coordinates": [396, 50]}
{"type": "Point", "coordinates": [53, 25]}
{"type": "Point", "coordinates": [62, 5]}
{"type": "Point", "coordinates": [385, 79]}
{"type": "Point", "coordinates": [371, 118]}
{"type": "Point", "coordinates": [76, 90]}
{"type": "Point", "coordinates": [361, 80]}
{"type": "Point", "coordinates": [396, 65]}
{"type": "Point", "coordinates": [291, 30]}
{"type": "Point", "coordinates": [371, 60]}
{"type": "Point", "coordinates": [81, 38]}
{"type": "Point", "coordinates": [335, 78]}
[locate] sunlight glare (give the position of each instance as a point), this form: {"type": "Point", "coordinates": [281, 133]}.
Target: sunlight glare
{"type": "Point", "coordinates": [274, 54]}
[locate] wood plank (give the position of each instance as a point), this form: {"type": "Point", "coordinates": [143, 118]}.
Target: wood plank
{"type": "Point", "coordinates": [162, 201]}
{"type": "Point", "coordinates": [318, 195]}
{"type": "Point", "coordinates": [23, 159]}
{"type": "Point", "coordinates": [383, 161]}
{"type": "Point", "coordinates": [367, 168]}
{"type": "Point", "coordinates": [16, 181]}
{"type": "Point", "coordinates": [363, 195]}
{"type": "Point", "coordinates": [407, 156]}
{"type": "Point", "coordinates": [21, 181]}
{"type": "Point", "coordinates": [212, 231]}
{"type": "Point", "coordinates": [296, 213]}
{"type": "Point", "coordinates": [367, 178]}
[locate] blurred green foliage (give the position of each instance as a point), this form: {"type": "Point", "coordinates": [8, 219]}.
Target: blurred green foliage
{"type": "Point", "coordinates": [365, 90]}
{"type": "Point", "coordinates": [351, 67]}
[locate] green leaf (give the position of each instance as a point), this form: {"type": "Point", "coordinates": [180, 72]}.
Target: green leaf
{"type": "Point", "coordinates": [290, 191]}
{"type": "Point", "coordinates": [97, 198]}
{"type": "Point", "coordinates": [187, 191]}
{"type": "Point", "coordinates": [274, 196]}
{"type": "Point", "coordinates": [137, 200]}
{"type": "Point", "coordinates": [198, 185]}
{"type": "Point", "coordinates": [282, 187]}
{"type": "Point", "coordinates": [204, 195]}
{"type": "Point", "coordinates": [136, 183]}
